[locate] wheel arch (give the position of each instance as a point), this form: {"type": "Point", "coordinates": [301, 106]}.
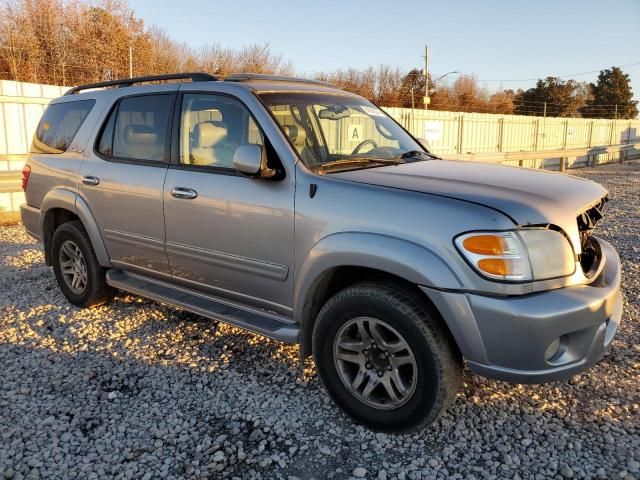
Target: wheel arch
{"type": "Point", "coordinates": [345, 259]}
{"type": "Point", "coordinates": [61, 206]}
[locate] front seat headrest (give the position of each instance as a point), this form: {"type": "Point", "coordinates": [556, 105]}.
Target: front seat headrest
{"type": "Point", "coordinates": [296, 134]}
{"type": "Point", "coordinates": [209, 134]}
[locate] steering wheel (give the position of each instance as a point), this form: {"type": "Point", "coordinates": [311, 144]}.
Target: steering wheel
{"type": "Point", "coordinates": [362, 144]}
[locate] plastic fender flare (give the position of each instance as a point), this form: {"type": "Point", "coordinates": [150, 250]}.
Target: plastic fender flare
{"type": "Point", "coordinates": [91, 226]}
{"type": "Point", "coordinates": [69, 200]}
{"type": "Point", "coordinates": [410, 261]}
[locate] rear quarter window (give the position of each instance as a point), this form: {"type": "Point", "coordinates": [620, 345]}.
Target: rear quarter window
{"type": "Point", "coordinates": [59, 126]}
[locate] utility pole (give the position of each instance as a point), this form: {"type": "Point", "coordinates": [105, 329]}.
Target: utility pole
{"type": "Point", "coordinates": [544, 125]}
{"type": "Point", "coordinates": [130, 61]}
{"type": "Point", "coordinates": [413, 109]}
{"type": "Point", "coordinates": [427, 100]}
{"type": "Point", "coordinates": [616, 114]}
{"type": "Point", "coordinates": [64, 32]}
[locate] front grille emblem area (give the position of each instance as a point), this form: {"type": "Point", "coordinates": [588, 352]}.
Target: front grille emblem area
{"type": "Point", "coordinates": [590, 256]}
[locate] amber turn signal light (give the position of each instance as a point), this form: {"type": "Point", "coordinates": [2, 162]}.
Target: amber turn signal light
{"type": "Point", "coordinates": [497, 255]}
{"type": "Point", "coordinates": [494, 266]}
{"type": "Point", "coordinates": [484, 244]}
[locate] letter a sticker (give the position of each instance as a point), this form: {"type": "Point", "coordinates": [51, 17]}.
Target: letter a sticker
{"type": "Point", "coordinates": [355, 133]}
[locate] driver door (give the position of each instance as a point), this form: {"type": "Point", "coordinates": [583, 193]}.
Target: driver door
{"type": "Point", "coordinates": [231, 236]}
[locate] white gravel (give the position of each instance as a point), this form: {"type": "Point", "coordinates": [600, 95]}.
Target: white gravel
{"type": "Point", "coordinates": [138, 390]}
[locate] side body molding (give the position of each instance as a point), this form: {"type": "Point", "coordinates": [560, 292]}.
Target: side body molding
{"type": "Point", "coordinates": [69, 200]}
{"type": "Point", "coordinates": [402, 258]}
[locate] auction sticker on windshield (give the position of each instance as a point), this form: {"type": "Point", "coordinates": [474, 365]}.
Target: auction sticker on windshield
{"type": "Point", "coordinates": [355, 133]}
{"type": "Point", "coordinates": [372, 111]}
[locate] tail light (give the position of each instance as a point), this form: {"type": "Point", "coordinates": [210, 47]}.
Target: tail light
{"type": "Point", "coordinates": [26, 171]}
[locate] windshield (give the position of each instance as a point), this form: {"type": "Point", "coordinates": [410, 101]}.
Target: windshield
{"type": "Point", "coordinates": [337, 132]}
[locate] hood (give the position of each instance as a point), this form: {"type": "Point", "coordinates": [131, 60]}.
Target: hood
{"type": "Point", "coordinates": [528, 197]}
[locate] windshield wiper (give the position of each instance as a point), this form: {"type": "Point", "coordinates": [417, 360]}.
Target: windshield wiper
{"type": "Point", "coordinates": [345, 162]}
{"type": "Point", "coordinates": [416, 153]}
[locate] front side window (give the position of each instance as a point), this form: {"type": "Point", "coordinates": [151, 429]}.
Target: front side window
{"type": "Point", "coordinates": [212, 128]}
{"type": "Point", "coordinates": [137, 129]}
{"type": "Point", "coordinates": [335, 132]}
{"type": "Point", "coordinates": [59, 126]}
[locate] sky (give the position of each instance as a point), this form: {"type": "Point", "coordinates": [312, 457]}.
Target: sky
{"type": "Point", "coordinates": [497, 40]}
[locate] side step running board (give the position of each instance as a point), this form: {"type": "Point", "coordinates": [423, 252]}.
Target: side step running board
{"type": "Point", "coordinates": [269, 324]}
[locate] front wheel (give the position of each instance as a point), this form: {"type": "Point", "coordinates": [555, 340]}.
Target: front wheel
{"type": "Point", "coordinates": [385, 358]}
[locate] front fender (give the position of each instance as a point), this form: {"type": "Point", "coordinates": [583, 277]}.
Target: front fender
{"type": "Point", "coordinates": [410, 261]}
{"type": "Point", "coordinates": [69, 200]}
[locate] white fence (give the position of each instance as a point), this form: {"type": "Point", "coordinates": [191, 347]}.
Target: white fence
{"type": "Point", "coordinates": [449, 133]}
{"type": "Point", "coordinates": [21, 105]}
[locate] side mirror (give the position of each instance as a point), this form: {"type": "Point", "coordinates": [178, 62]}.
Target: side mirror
{"type": "Point", "coordinates": [251, 160]}
{"type": "Point", "coordinates": [425, 144]}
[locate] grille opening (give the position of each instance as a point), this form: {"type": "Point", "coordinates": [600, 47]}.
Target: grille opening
{"type": "Point", "coordinates": [590, 257]}
{"type": "Point", "coordinates": [591, 253]}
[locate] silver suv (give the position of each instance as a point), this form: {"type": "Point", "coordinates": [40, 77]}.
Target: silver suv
{"type": "Point", "coordinates": [306, 214]}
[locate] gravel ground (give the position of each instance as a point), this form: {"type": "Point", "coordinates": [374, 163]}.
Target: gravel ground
{"type": "Point", "coordinates": [138, 390]}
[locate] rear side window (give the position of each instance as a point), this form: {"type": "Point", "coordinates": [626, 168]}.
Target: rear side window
{"type": "Point", "coordinates": [137, 129]}
{"type": "Point", "coordinates": [59, 125]}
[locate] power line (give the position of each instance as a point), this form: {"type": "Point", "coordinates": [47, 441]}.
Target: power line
{"type": "Point", "coordinates": [316, 73]}
{"type": "Point", "coordinates": [557, 76]}
{"type": "Point", "coordinates": [569, 75]}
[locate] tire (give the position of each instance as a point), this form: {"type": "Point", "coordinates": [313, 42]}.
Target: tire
{"type": "Point", "coordinates": [71, 248]}
{"type": "Point", "coordinates": [415, 385]}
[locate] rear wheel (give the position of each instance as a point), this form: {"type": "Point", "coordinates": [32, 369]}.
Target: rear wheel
{"type": "Point", "coordinates": [80, 277]}
{"type": "Point", "coordinates": [385, 358]}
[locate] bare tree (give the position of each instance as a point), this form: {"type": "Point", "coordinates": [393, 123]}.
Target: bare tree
{"type": "Point", "coordinates": [67, 42]}
{"type": "Point", "coordinates": [501, 102]}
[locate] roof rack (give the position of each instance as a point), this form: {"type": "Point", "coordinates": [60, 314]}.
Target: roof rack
{"type": "Point", "coordinates": [127, 82]}
{"type": "Point", "coordinates": [246, 77]}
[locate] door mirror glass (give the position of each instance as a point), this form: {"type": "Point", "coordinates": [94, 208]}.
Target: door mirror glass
{"type": "Point", "coordinates": [251, 160]}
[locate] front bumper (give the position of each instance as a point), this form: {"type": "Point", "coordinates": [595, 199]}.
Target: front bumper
{"type": "Point", "coordinates": [506, 337]}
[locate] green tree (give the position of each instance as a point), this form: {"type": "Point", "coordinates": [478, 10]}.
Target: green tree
{"type": "Point", "coordinates": [562, 98]}
{"type": "Point", "coordinates": [413, 82]}
{"type": "Point", "coordinates": [611, 96]}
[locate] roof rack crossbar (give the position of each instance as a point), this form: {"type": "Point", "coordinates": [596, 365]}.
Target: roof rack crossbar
{"type": "Point", "coordinates": [127, 82]}
{"type": "Point", "coordinates": [246, 77]}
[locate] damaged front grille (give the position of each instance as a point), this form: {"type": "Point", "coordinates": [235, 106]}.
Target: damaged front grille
{"type": "Point", "coordinates": [591, 253]}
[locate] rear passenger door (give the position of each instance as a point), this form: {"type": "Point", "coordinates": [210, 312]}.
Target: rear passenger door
{"type": "Point", "coordinates": [122, 181]}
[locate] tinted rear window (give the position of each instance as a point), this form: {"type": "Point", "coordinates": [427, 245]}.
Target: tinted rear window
{"type": "Point", "coordinates": [59, 125]}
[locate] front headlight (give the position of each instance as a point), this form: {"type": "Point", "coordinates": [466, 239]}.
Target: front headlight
{"type": "Point", "coordinates": [522, 255]}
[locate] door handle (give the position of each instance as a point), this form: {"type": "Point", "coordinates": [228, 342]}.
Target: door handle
{"type": "Point", "coordinates": [185, 193]}
{"type": "Point", "coordinates": [89, 180]}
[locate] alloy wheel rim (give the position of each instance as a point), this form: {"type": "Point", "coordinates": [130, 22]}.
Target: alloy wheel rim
{"type": "Point", "coordinates": [375, 363]}
{"type": "Point", "coordinates": [73, 266]}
